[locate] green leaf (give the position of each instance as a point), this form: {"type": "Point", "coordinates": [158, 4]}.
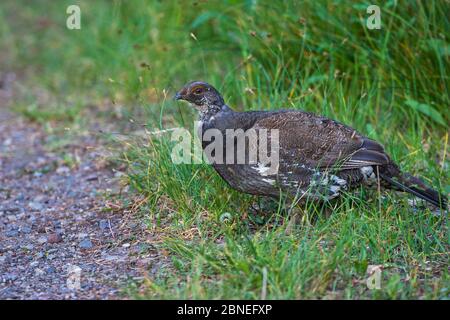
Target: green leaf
{"type": "Point", "coordinates": [426, 110]}
{"type": "Point", "coordinates": [447, 189]}
{"type": "Point", "coordinates": [361, 266]}
{"type": "Point", "coordinates": [439, 46]}
{"type": "Point", "coordinates": [316, 78]}
{"type": "Point", "coordinates": [205, 17]}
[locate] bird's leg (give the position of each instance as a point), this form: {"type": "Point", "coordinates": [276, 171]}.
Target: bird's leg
{"type": "Point", "coordinates": [295, 214]}
{"type": "Point", "coordinates": [327, 211]}
{"type": "Point", "coordinates": [262, 205]}
{"type": "Point", "coordinates": [327, 208]}
{"type": "Point", "coordinates": [255, 208]}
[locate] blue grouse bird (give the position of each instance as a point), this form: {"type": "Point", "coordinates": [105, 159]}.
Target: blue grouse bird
{"type": "Point", "coordinates": [318, 158]}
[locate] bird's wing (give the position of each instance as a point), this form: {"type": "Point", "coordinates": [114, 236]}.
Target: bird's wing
{"type": "Point", "coordinates": [318, 142]}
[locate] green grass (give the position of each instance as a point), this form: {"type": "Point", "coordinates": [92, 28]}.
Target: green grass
{"type": "Point", "coordinates": [390, 84]}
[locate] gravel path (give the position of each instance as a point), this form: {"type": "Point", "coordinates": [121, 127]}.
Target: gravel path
{"type": "Point", "coordinates": [57, 241]}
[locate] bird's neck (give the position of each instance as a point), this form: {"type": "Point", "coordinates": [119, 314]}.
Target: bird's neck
{"type": "Point", "coordinates": [210, 111]}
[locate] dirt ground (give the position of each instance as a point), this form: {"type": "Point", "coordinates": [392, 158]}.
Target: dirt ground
{"type": "Point", "coordinates": [63, 233]}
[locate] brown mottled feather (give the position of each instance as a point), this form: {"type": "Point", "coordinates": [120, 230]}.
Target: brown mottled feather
{"type": "Point", "coordinates": [319, 142]}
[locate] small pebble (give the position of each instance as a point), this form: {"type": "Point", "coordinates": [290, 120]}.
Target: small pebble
{"type": "Point", "coordinates": [54, 238]}
{"type": "Point", "coordinates": [86, 244]}
{"type": "Point", "coordinates": [62, 170]}
{"type": "Point", "coordinates": [51, 269]}
{"type": "Point", "coordinates": [42, 240]}
{"type": "Point", "coordinates": [9, 277]}
{"type": "Point", "coordinates": [25, 229]}
{"type": "Point", "coordinates": [103, 224]}
{"type": "Point", "coordinates": [12, 233]}
{"type": "Point", "coordinates": [28, 247]}
{"type": "Point", "coordinates": [39, 272]}
{"type": "Point", "coordinates": [35, 206]}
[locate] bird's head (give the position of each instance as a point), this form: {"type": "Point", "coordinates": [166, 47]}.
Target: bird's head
{"type": "Point", "coordinates": [203, 96]}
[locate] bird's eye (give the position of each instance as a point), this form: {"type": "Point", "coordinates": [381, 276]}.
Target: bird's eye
{"type": "Point", "coordinates": [198, 90]}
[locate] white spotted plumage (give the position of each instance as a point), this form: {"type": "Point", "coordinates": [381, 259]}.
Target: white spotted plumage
{"type": "Point", "coordinates": [368, 175]}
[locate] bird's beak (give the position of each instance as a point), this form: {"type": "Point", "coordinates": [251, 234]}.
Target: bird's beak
{"type": "Point", "coordinates": [178, 96]}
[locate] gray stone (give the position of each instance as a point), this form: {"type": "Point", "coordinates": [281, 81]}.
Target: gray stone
{"type": "Point", "coordinates": [35, 206]}
{"type": "Point", "coordinates": [9, 276]}
{"type": "Point", "coordinates": [86, 244]}
{"type": "Point", "coordinates": [103, 224]}
{"type": "Point", "coordinates": [12, 233]}
{"type": "Point", "coordinates": [42, 240]}
{"type": "Point", "coordinates": [28, 247]}
{"type": "Point", "coordinates": [51, 269]}
{"type": "Point", "coordinates": [34, 264]}
{"type": "Point", "coordinates": [25, 229]}
{"type": "Point", "coordinates": [39, 272]}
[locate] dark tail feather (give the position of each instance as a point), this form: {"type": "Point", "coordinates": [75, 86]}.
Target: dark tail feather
{"type": "Point", "coordinates": [415, 186]}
